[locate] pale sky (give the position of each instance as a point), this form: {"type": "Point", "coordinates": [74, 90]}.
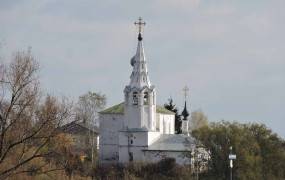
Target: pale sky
{"type": "Point", "coordinates": [231, 53]}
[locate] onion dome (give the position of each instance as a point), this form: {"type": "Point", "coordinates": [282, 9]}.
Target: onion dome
{"type": "Point", "coordinates": [185, 112]}
{"type": "Point", "coordinates": [133, 60]}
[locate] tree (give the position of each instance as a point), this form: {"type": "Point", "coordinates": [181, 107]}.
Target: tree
{"type": "Point", "coordinates": [88, 106]}
{"type": "Point", "coordinates": [87, 110]}
{"type": "Point", "coordinates": [28, 126]}
{"type": "Point", "coordinates": [198, 120]}
{"type": "Point", "coordinates": [178, 122]}
{"type": "Point", "coordinates": [260, 153]}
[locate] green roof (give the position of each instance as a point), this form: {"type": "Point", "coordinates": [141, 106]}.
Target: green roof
{"type": "Point", "coordinates": [119, 109]}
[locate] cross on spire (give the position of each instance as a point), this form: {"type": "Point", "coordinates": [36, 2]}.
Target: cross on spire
{"type": "Point", "coordinates": [140, 23]}
{"type": "Point", "coordinates": [185, 91]}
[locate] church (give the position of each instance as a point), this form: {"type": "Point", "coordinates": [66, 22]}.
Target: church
{"type": "Point", "coordinates": [139, 130]}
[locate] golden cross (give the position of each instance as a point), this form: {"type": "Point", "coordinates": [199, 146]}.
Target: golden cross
{"type": "Point", "coordinates": [186, 90]}
{"type": "Point", "coordinates": [140, 23]}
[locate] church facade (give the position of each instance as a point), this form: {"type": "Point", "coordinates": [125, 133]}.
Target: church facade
{"type": "Point", "coordinates": [138, 129]}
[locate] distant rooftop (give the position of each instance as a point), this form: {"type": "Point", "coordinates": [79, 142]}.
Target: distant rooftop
{"type": "Point", "coordinates": [119, 109]}
{"type": "Point", "coordinates": [75, 127]}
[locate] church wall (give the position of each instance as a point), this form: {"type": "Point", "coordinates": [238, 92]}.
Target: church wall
{"type": "Point", "coordinates": [166, 123]}
{"type": "Point", "coordinates": [134, 143]}
{"type": "Point", "coordinates": [132, 116]}
{"type": "Point", "coordinates": [109, 154]}
{"type": "Point", "coordinates": [140, 116]}
{"type": "Point", "coordinates": [133, 138]}
{"type": "Point", "coordinates": [110, 124]}
{"type": "Point", "coordinates": [136, 152]}
{"type": "Point", "coordinates": [153, 136]}
{"type": "Point", "coordinates": [131, 144]}
{"type": "Point", "coordinates": [182, 158]}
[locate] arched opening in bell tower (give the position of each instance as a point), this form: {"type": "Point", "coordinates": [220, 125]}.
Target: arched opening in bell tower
{"type": "Point", "coordinates": [135, 98]}
{"type": "Point", "coordinates": [145, 98]}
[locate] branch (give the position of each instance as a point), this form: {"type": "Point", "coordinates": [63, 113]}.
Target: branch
{"type": "Point", "coordinates": [35, 155]}
{"type": "Point", "coordinates": [21, 141]}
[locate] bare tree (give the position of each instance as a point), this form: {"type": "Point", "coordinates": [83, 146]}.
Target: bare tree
{"type": "Point", "coordinates": [87, 110]}
{"type": "Point", "coordinates": [28, 126]}
{"type": "Point", "coordinates": [88, 106]}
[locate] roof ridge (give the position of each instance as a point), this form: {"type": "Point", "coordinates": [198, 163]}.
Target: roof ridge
{"type": "Point", "coordinates": [119, 109]}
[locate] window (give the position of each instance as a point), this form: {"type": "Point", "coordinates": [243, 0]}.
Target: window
{"type": "Point", "coordinates": [131, 156]}
{"type": "Point", "coordinates": [145, 98]}
{"type": "Point", "coordinates": [135, 98]}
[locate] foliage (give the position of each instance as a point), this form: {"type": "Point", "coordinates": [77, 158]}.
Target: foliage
{"type": "Point", "coordinates": [88, 106]}
{"type": "Point", "coordinates": [87, 109]}
{"type": "Point", "coordinates": [260, 153]}
{"type": "Point", "coordinates": [178, 122]}
{"type": "Point", "coordinates": [28, 125]}
{"type": "Point", "coordinates": [198, 120]}
{"type": "Point", "coordinates": [165, 169]}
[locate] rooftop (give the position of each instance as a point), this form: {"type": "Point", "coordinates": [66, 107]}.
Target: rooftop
{"type": "Point", "coordinates": [173, 142]}
{"type": "Point", "coordinates": [119, 109]}
{"type": "Point", "coordinates": [75, 127]}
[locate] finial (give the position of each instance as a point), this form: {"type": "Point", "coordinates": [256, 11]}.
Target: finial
{"type": "Point", "coordinates": [185, 91]}
{"type": "Point", "coordinates": [185, 112]}
{"type": "Point", "coordinates": [140, 23]}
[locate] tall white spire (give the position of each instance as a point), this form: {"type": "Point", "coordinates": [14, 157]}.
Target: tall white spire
{"type": "Point", "coordinates": [139, 76]}
{"type": "Point", "coordinates": [140, 95]}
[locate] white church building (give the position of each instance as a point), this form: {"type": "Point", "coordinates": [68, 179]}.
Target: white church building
{"type": "Point", "coordinates": [138, 129]}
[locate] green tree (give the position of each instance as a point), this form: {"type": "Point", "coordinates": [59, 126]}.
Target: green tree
{"type": "Point", "coordinates": [178, 122]}
{"type": "Point", "coordinates": [260, 153]}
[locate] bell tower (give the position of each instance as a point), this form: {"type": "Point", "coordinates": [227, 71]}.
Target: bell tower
{"type": "Point", "coordinates": [140, 96]}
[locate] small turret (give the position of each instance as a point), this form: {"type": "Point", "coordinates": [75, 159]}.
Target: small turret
{"type": "Point", "coordinates": [185, 113]}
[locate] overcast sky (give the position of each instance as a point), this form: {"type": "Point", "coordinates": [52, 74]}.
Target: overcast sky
{"type": "Point", "coordinates": [231, 53]}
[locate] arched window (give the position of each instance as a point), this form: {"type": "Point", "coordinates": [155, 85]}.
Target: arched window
{"type": "Point", "coordinates": [135, 98]}
{"type": "Point", "coordinates": [145, 98]}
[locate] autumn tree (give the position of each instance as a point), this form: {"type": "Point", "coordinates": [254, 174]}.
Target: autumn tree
{"type": "Point", "coordinates": [87, 109]}
{"type": "Point", "coordinates": [198, 119]}
{"type": "Point", "coordinates": [28, 124]}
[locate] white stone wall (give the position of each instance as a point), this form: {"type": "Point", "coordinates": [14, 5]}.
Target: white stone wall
{"type": "Point", "coordinates": [110, 124]}
{"type": "Point", "coordinates": [166, 123]}
{"type": "Point", "coordinates": [141, 115]}
{"type": "Point", "coordinates": [116, 144]}
{"type": "Point", "coordinates": [135, 142]}
{"type": "Point", "coordinates": [182, 158]}
{"type": "Point", "coordinates": [185, 126]}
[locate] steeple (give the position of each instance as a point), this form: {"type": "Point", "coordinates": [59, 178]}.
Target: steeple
{"type": "Point", "coordinates": [139, 76]}
{"type": "Point", "coordinates": [140, 95]}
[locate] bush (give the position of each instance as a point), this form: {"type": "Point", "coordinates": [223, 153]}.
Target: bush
{"type": "Point", "coordinates": [165, 169]}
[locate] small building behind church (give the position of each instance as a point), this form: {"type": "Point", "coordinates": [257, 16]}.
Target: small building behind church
{"type": "Point", "coordinates": [85, 138]}
{"type": "Point", "coordinates": [138, 129]}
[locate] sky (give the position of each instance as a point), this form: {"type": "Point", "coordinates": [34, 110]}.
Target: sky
{"type": "Point", "coordinates": [230, 53]}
